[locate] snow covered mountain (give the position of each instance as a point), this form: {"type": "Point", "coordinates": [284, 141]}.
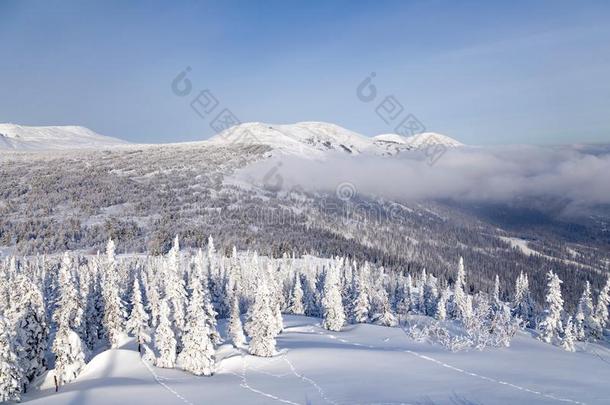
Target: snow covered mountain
{"type": "Point", "coordinates": [393, 143]}
{"type": "Point", "coordinates": [315, 138]}
{"type": "Point", "coordinates": [303, 138]}
{"type": "Point", "coordinates": [21, 137]}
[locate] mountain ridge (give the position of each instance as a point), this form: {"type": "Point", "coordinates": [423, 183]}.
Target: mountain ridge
{"type": "Point", "coordinates": [314, 138]}
{"type": "Point", "coordinates": [309, 138]}
{"type": "Point", "coordinates": [35, 138]}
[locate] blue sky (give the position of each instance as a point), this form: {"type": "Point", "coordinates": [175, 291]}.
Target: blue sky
{"type": "Point", "coordinates": [482, 72]}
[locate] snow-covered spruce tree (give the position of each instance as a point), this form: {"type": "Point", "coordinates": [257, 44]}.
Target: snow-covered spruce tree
{"type": "Point", "coordinates": [361, 307]}
{"type": "Point", "coordinates": [477, 321]}
{"type": "Point", "coordinates": [568, 339]}
{"type": "Point", "coordinates": [334, 315]}
{"type": "Point", "coordinates": [175, 290]}
{"type": "Point", "coordinates": [94, 313]}
{"type": "Point", "coordinates": [8, 271]}
{"type": "Point", "coordinates": [153, 294]}
{"type": "Point", "coordinates": [296, 297]}
{"type": "Point", "coordinates": [236, 330]}
{"type": "Point", "coordinates": [31, 327]}
{"type": "Point", "coordinates": [165, 341]}
{"type": "Point", "coordinates": [224, 305]}
{"type": "Point", "coordinates": [405, 303]}
{"type": "Point", "coordinates": [319, 291]}
{"type": "Point", "coordinates": [523, 304]}
{"type": "Point", "coordinates": [585, 316]}
{"type": "Point", "coordinates": [69, 350]}
{"type": "Point", "coordinates": [68, 304]}
{"type": "Point", "coordinates": [348, 293]}
{"type": "Point", "coordinates": [430, 296]}
{"type": "Point", "coordinates": [460, 300]}
{"type": "Point", "coordinates": [69, 353]}
{"type": "Point", "coordinates": [383, 315]}
{"type": "Point", "coordinates": [603, 301]}
{"type": "Point", "coordinates": [441, 307]}
{"type": "Point", "coordinates": [207, 307]}
{"type": "Point", "coordinates": [421, 300]}
{"type": "Point", "coordinates": [216, 281]}
{"type": "Point", "coordinates": [11, 373]}
{"type": "Point", "coordinates": [579, 323]}
{"type": "Point", "coordinates": [211, 252]}
{"type": "Point", "coordinates": [469, 309]}
{"type": "Point", "coordinates": [395, 290]}
{"type": "Point", "coordinates": [4, 297]}
{"type": "Point", "coordinates": [261, 327]}
{"type": "Point", "coordinates": [69, 311]}
{"type": "Point", "coordinates": [275, 293]}
{"type": "Point", "coordinates": [277, 314]}
{"type": "Point", "coordinates": [496, 302]}
{"type": "Point", "coordinates": [114, 310]}
{"type": "Point", "coordinates": [550, 327]}
{"type": "Point", "coordinates": [137, 324]}
{"type": "Point", "coordinates": [503, 326]}
{"type": "Point", "coordinates": [198, 355]}
{"type": "Point", "coordinates": [309, 297]}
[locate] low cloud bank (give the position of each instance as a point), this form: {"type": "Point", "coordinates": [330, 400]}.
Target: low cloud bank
{"type": "Point", "coordinates": [579, 175]}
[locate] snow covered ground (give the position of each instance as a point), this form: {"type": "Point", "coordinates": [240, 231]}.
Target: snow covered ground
{"type": "Point", "coordinates": [363, 364]}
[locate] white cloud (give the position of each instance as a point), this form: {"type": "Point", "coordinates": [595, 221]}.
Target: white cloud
{"type": "Point", "coordinates": [577, 175]}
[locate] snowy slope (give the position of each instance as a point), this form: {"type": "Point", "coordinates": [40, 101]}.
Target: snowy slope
{"type": "Point", "coordinates": [315, 138]}
{"type": "Point", "coordinates": [363, 364]}
{"type": "Point", "coordinates": [21, 137]}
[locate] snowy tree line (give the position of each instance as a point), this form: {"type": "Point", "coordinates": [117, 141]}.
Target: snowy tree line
{"type": "Point", "coordinates": [144, 196]}
{"type": "Point", "coordinates": [59, 311]}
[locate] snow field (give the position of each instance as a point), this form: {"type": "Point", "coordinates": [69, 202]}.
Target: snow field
{"type": "Point", "coordinates": [363, 364]}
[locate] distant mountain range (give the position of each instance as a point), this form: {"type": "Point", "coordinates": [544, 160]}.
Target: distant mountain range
{"type": "Point", "coordinates": [303, 138]}
{"type": "Point", "coordinates": [21, 137]}
{"type": "Point", "coordinates": [313, 138]}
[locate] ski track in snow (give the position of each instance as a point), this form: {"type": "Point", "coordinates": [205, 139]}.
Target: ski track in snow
{"type": "Point", "coordinates": [309, 381]}
{"type": "Point", "coordinates": [164, 385]}
{"type": "Point", "coordinates": [293, 372]}
{"type": "Point", "coordinates": [459, 370]}
{"type": "Point", "coordinates": [482, 377]}
{"type": "Point", "coordinates": [244, 384]}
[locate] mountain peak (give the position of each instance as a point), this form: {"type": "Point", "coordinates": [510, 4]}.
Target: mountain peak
{"type": "Point", "coordinates": [299, 138]}
{"type": "Point", "coordinates": [432, 138]}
